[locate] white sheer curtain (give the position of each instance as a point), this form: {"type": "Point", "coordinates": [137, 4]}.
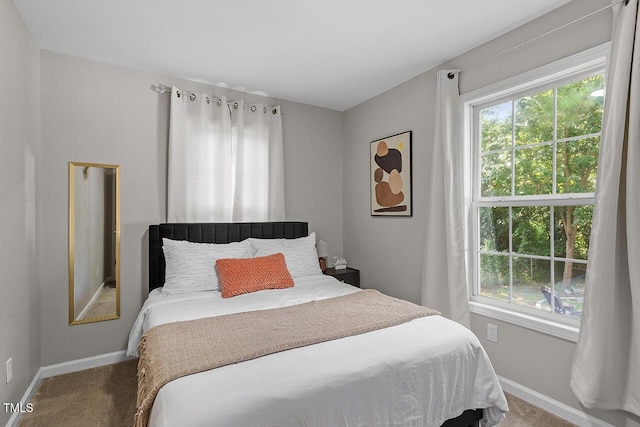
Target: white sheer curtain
{"type": "Point", "coordinates": [226, 161]}
{"type": "Point", "coordinates": [257, 144]}
{"type": "Point", "coordinates": [444, 284]}
{"type": "Point", "coordinates": [606, 366]}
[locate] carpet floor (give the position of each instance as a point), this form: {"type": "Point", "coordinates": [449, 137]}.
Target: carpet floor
{"type": "Point", "coordinates": [104, 306]}
{"type": "Point", "coordinates": [106, 397]}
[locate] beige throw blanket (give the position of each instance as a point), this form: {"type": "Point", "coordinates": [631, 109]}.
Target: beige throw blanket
{"type": "Point", "coordinates": [173, 350]}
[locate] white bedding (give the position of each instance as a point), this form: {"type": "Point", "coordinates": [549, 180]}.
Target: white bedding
{"type": "Point", "coordinates": [420, 373]}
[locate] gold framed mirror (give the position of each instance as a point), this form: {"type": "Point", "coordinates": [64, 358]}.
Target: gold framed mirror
{"type": "Point", "coordinates": [94, 242]}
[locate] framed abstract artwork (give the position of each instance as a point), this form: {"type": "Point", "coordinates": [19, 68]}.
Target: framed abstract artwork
{"type": "Point", "coordinates": [391, 193]}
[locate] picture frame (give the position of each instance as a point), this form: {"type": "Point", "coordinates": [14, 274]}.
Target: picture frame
{"type": "Point", "coordinates": [391, 175]}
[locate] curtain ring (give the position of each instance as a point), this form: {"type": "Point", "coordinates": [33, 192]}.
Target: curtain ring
{"type": "Point", "coordinates": [274, 111]}
{"type": "Point", "coordinates": [253, 108]}
{"type": "Point", "coordinates": [264, 109]}
{"type": "Point", "coordinates": [178, 93]}
{"type": "Point", "coordinates": [192, 97]}
{"type": "Point", "coordinates": [219, 102]}
{"type": "Point", "coordinates": [208, 100]}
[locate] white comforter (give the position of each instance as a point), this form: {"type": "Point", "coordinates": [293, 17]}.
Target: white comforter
{"type": "Point", "coordinates": [420, 373]}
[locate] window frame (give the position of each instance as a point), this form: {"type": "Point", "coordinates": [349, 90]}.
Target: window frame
{"type": "Point", "coordinates": [566, 70]}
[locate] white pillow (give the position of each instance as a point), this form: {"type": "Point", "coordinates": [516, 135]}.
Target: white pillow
{"type": "Point", "coordinates": [190, 267]}
{"type": "Point", "coordinates": [300, 254]}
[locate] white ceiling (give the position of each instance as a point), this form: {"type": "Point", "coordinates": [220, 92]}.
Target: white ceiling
{"type": "Point", "coordinates": [329, 53]}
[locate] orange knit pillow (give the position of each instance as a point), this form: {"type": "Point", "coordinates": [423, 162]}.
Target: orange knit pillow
{"type": "Point", "coordinates": [243, 275]}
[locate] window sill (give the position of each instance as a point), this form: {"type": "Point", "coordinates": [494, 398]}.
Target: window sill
{"type": "Point", "coordinates": [559, 330]}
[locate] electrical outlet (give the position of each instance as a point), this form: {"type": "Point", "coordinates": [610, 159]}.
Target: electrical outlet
{"type": "Point", "coordinates": [9, 369]}
{"type": "Point", "coordinates": [492, 333]}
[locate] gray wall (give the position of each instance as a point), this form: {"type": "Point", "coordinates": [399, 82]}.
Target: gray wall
{"type": "Point", "coordinates": [389, 251]}
{"type": "Point", "coordinates": [94, 112]}
{"type": "Point", "coordinates": [19, 186]}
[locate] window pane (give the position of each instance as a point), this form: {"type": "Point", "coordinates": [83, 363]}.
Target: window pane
{"type": "Point", "coordinates": [577, 163]}
{"type": "Point", "coordinates": [494, 277]}
{"type": "Point", "coordinates": [535, 147]}
{"type": "Point", "coordinates": [580, 112]}
{"type": "Point", "coordinates": [569, 287]}
{"type": "Point", "coordinates": [531, 230]}
{"type": "Point", "coordinates": [529, 276]}
{"type": "Point", "coordinates": [496, 174]}
{"type": "Point", "coordinates": [494, 229]}
{"type": "Point", "coordinates": [534, 170]}
{"type": "Point", "coordinates": [495, 127]}
{"type": "Point", "coordinates": [572, 231]}
{"type": "Point", "coordinates": [534, 118]}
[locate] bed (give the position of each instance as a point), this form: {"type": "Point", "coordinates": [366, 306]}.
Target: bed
{"type": "Point", "coordinates": [426, 371]}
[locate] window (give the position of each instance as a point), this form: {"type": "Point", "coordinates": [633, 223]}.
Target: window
{"type": "Point", "coordinates": [534, 146]}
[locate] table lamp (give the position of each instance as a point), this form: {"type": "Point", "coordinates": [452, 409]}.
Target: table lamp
{"type": "Point", "coordinates": [323, 253]}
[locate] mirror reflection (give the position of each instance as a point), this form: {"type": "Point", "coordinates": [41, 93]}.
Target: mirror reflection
{"type": "Point", "coordinates": [94, 242]}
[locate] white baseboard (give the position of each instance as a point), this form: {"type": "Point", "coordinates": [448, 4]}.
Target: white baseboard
{"type": "Point", "coordinates": [560, 409]}
{"type": "Point", "coordinates": [28, 395]}
{"type": "Point", "coordinates": [65, 368]}
{"type": "Point", "coordinates": [82, 364]}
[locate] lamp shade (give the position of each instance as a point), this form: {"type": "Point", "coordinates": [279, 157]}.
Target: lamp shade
{"type": "Point", "coordinates": [323, 249]}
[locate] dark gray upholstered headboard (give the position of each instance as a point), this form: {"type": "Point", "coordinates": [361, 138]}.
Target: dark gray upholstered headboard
{"type": "Point", "coordinates": [214, 232]}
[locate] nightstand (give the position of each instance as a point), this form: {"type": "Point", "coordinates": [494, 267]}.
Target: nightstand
{"type": "Point", "coordinates": [346, 275]}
